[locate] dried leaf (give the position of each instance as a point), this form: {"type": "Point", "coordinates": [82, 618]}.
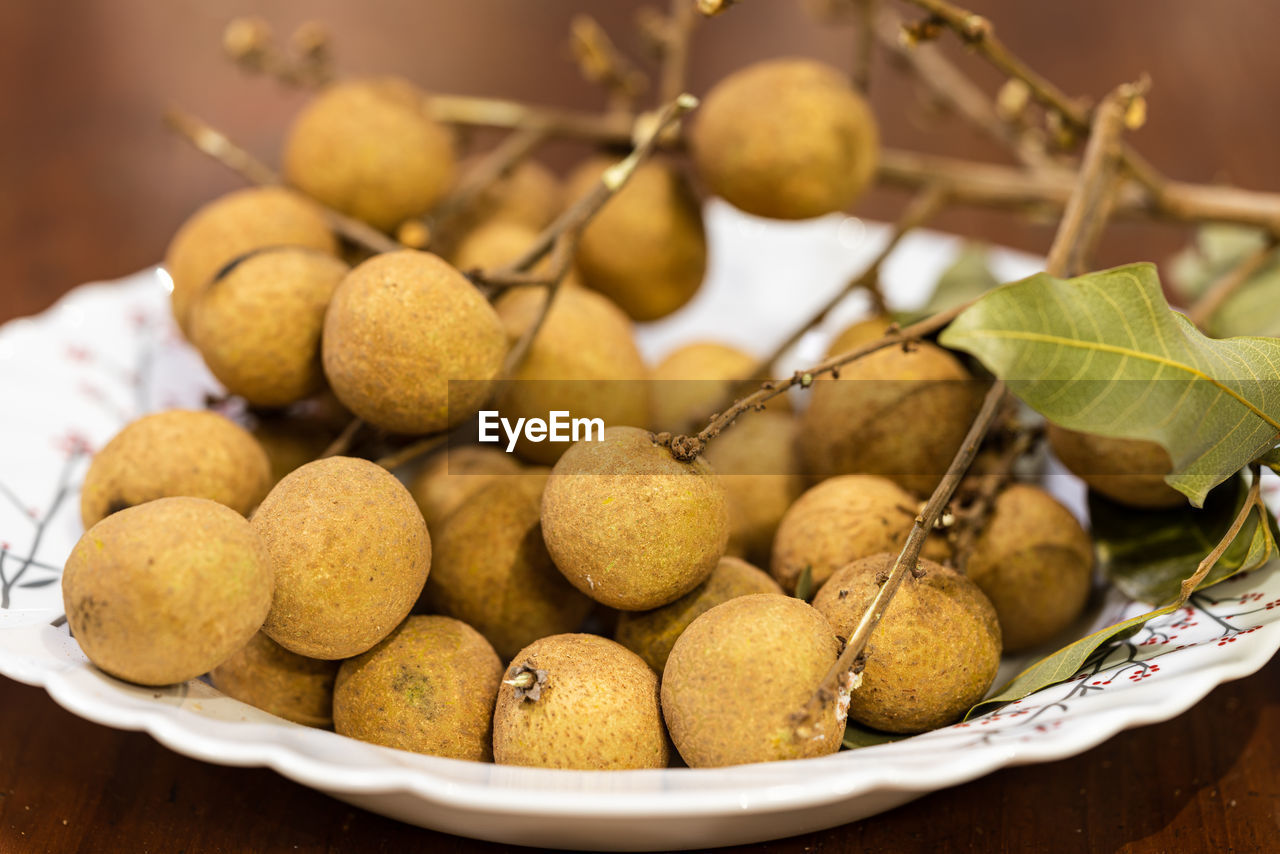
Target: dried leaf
{"type": "Point", "coordinates": [856, 736]}
{"type": "Point", "coordinates": [1104, 353]}
{"type": "Point", "coordinates": [804, 584]}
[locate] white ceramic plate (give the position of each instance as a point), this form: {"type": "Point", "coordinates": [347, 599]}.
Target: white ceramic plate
{"type": "Point", "coordinates": [107, 352]}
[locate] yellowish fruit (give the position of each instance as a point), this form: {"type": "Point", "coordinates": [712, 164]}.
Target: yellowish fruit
{"type": "Point", "coordinates": [933, 655]}
{"type": "Point", "coordinates": [429, 687]}
{"type": "Point", "coordinates": [1130, 471]}
{"type": "Point", "coordinates": [812, 151]}
{"type": "Point", "coordinates": [594, 706]}
{"type": "Point", "coordinates": [646, 250]}
{"type": "Point", "coordinates": [369, 148]}
{"type": "Point", "coordinates": [894, 413]}
{"type": "Point", "coordinates": [269, 677]}
{"type": "Point", "coordinates": [738, 674]}
{"type": "Point", "coordinates": [232, 225]}
{"type": "Point", "coordinates": [841, 520]}
{"type": "Point", "coordinates": [258, 324]}
{"type": "Point", "coordinates": [490, 568]}
{"type": "Point", "coordinates": [351, 554]}
{"type": "Point", "coordinates": [651, 634]}
{"type": "Point", "coordinates": [165, 591]}
{"type": "Point", "coordinates": [410, 345]}
{"type": "Point", "coordinates": [176, 453]}
{"type": "Point", "coordinates": [291, 441]}
{"type": "Point", "coordinates": [758, 465]}
{"type": "Point", "coordinates": [693, 381]}
{"type": "Point", "coordinates": [584, 361]}
{"type": "Point", "coordinates": [1035, 563]}
{"type": "Point", "coordinates": [857, 334]}
{"type": "Point", "coordinates": [629, 525]}
{"type": "Point", "coordinates": [447, 480]}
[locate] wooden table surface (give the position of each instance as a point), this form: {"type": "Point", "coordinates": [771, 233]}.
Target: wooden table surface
{"type": "Point", "coordinates": [91, 188]}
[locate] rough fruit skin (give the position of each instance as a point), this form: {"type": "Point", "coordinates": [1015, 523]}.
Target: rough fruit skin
{"type": "Point", "coordinates": [811, 152]}
{"type": "Point", "coordinates": [759, 468]}
{"type": "Point", "coordinates": [176, 453]}
{"type": "Point", "coordinates": [291, 442]}
{"type": "Point", "coordinates": [647, 249]}
{"type": "Point", "coordinates": [1130, 471]}
{"type": "Point", "coordinates": [258, 325]}
{"type": "Point", "coordinates": [584, 361]}
{"type": "Point", "coordinates": [400, 327]}
{"type": "Point", "coordinates": [490, 568]}
{"type": "Point", "coordinates": [739, 672]}
{"type": "Point", "coordinates": [165, 591]}
{"type": "Point", "coordinates": [231, 225]}
{"type": "Point", "coordinates": [598, 710]}
{"type": "Point", "coordinates": [529, 196]}
{"type": "Point", "coordinates": [447, 480]}
{"type": "Point", "coordinates": [841, 520]}
{"type": "Point", "coordinates": [429, 687]}
{"type": "Point", "coordinates": [933, 655]}
{"type": "Point", "coordinates": [367, 147]}
{"type": "Point", "coordinates": [269, 677]}
{"type": "Point", "coordinates": [894, 413]}
{"type": "Point", "coordinates": [351, 553]}
{"type": "Point", "coordinates": [652, 634]}
{"type": "Point", "coordinates": [630, 526]}
{"type": "Point", "coordinates": [1035, 563]}
{"type": "Point", "coordinates": [692, 381]}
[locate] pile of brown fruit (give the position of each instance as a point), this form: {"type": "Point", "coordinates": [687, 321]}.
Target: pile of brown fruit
{"type": "Point", "coordinates": [587, 615]}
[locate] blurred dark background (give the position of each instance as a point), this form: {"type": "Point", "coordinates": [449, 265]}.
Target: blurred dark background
{"type": "Point", "coordinates": [92, 186]}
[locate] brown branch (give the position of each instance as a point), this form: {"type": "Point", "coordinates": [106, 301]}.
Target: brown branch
{"type": "Point", "coordinates": [677, 36]}
{"type": "Point", "coordinates": [1071, 231]}
{"type": "Point", "coordinates": [250, 44]}
{"type": "Point", "coordinates": [212, 142]}
{"type": "Point", "coordinates": [606, 128]}
{"type": "Point", "coordinates": [577, 215]}
{"type": "Point", "coordinates": [954, 90]}
{"type": "Point", "coordinates": [973, 517]}
{"type": "Point", "coordinates": [864, 43]}
{"type": "Point", "coordinates": [602, 63]}
{"type": "Point", "coordinates": [927, 204]}
{"type": "Point", "coordinates": [1203, 310]}
{"type": "Point", "coordinates": [1252, 500]}
{"type": "Point", "coordinates": [1087, 209]}
{"type": "Point", "coordinates": [686, 448]}
{"type": "Point", "coordinates": [344, 440]}
{"type": "Point", "coordinates": [412, 451]}
{"type": "Point", "coordinates": [561, 261]}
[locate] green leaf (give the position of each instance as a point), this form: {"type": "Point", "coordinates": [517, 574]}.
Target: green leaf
{"type": "Point", "coordinates": [856, 735]}
{"type": "Point", "coordinates": [1147, 553]}
{"type": "Point", "coordinates": [1271, 459]}
{"type": "Point", "coordinates": [1064, 663]}
{"type": "Point", "coordinates": [804, 584]}
{"type": "Point", "coordinates": [1254, 308]}
{"type": "Point", "coordinates": [1104, 353]}
{"type": "Point", "coordinates": [1217, 248]}
{"type": "Point", "coordinates": [968, 277]}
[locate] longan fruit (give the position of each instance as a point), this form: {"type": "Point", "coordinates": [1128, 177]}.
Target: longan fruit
{"type": "Point", "coordinates": [269, 677]}
{"type": "Point", "coordinates": [629, 525]}
{"type": "Point", "coordinates": [786, 139]}
{"type": "Point", "coordinates": [1130, 471]}
{"type": "Point", "coordinates": [410, 345]}
{"type": "Point", "coordinates": [232, 225]}
{"type": "Point", "coordinates": [693, 380]}
{"type": "Point", "coordinates": [933, 655]}
{"type": "Point", "coordinates": [647, 248]}
{"type": "Point", "coordinates": [167, 590]}
{"type": "Point", "coordinates": [447, 480]}
{"type": "Point", "coordinates": [369, 148]}
{"type": "Point", "coordinates": [176, 453]}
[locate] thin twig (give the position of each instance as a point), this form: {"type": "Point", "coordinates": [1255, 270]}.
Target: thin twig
{"type": "Point", "coordinates": [602, 63]}
{"type": "Point", "coordinates": [1252, 500]}
{"type": "Point", "coordinates": [342, 444]}
{"type": "Point", "coordinates": [922, 208]}
{"type": "Point", "coordinates": [212, 142]}
{"type": "Point", "coordinates": [561, 261]}
{"type": "Point", "coordinates": [608, 128]}
{"type": "Point", "coordinates": [1071, 230]}
{"type": "Point", "coordinates": [864, 43]}
{"type": "Point", "coordinates": [954, 89]}
{"type": "Point", "coordinates": [412, 451]}
{"type": "Point", "coordinates": [977, 510]}
{"type": "Point", "coordinates": [1202, 311]}
{"type": "Point", "coordinates": [686, 448]}
{"type": "Point", "coordinates": [250, 43]}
